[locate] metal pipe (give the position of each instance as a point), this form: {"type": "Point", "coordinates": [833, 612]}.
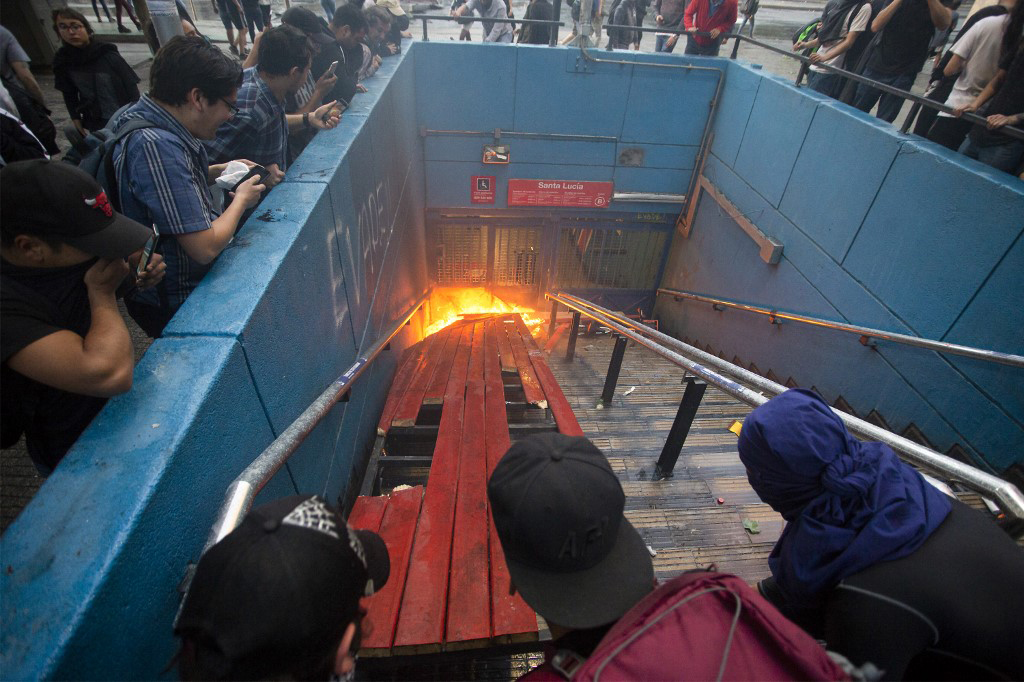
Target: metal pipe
{"type": "Point", "coordinates": [243, 490]}
{"type": "Point", "coordinates": [939, 346]}
{"type": "Point", "coordinates": [556, 14]}
{"type": "Point", "coordinates": [1009, 497]}
{"type": "Point", "coordinates": [514, 133]}
{"type": "Point", "coordinates": [649, 197]}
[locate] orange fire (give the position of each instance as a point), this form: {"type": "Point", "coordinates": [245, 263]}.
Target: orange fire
{"type": "Point", "coordinates": [448, 305]}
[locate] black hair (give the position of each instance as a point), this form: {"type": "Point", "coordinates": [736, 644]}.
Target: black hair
{"type": "Point", "coordinates": [187, 62]}
{"type": "Point", "coordinates": [375, 13]}
{"type": "Point", "coordinates": [1014, 32]}
{"type": "Point", "coordinates": [351, 16]}
{"type": "Point", "coordinates": [69, 13]}
{"type": "Point", "coordinates": [282, 49]}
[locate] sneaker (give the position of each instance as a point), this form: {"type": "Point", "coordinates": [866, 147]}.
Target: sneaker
{"type": "Point", "coordinates": [123, 29]}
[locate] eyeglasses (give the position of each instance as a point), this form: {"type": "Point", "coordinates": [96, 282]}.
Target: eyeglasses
{"type": "Point", "coordinates": [231, 107]}
{"type": "Point", "coordinates": [70, 27]}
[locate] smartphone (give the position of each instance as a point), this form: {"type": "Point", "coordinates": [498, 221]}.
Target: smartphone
{"type": "Point", "coordinates": [332, 67]}
{"type": "Point", "coordinates": [256, 170]}
{"type": "Point", "coordinates": [147, 251]}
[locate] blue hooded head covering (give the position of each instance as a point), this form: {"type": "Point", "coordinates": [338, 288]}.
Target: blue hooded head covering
{"type": "Point", "coordinates": [849, 505]}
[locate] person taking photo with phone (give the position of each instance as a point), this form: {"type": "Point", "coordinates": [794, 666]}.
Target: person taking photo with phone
{"type": "Point", "coordinates": [65, 346]}
{"type": "Point", "coordinates": [164, 173]}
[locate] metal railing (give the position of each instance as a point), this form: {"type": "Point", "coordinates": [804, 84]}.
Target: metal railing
{"type": "Point", "coordinates": [865, 333]}
{"type": "Point", "coordinates": [714, 370]}
{"type": "Point", "coordinates": [243, 490]}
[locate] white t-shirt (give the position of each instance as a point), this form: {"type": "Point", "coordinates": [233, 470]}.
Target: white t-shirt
{"type": "Point", "coordinates": [859, 23]}
{"type": "Point", "coordinates": [493, 32]}
{"type": "Point", "coordinates": [979, 48]}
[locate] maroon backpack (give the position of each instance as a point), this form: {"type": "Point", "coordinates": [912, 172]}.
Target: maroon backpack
{"type": "Point", "coordinates": [702, 625]}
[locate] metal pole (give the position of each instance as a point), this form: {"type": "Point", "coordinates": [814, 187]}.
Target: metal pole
{"type": "Point", "coordinates": [554, 313]}
{"type": "Point", "coordinates": [692, 396]}
{"type": "Point", "coordinates": [243, 490]}
{"type": "Point", "coordinates": [1006, 494]}
{"type": "Point", "coordinates": [570, 348]}
{"type": "Point", "coordinates": [425, 38]}
{"type": "Point", "coordinates": [613, 370]}
{"type": "Point", "coordinates": [556, 14]}
{"type": "Point", "coordinates": [939, 346]}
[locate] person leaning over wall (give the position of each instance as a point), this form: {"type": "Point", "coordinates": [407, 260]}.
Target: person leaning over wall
{"type": "Point", "coordinates": [163, 173]}
{"type": "Point", "coordinates": [65, 346]}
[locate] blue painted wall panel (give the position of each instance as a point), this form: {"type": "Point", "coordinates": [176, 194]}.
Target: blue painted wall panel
{"type": "Point", "coordinates": [479, 78]}
{"type": "Point", "coordinates": [651, 180]}
{"type": "Point", "coordinates": [926, 258]}
{"type": "Point", "coordinates": [562, 100]}
{"type": "Point", "coordinates": [664, 155]}
{"type": "Point", "coordinates": [123, 514]}
{"type": "Point", "coordinates": [835, 179]}
{"type": "Point", "coordinates": [734, 108]}
{"type": "Point", "coordinates": [769, 150]}
{"type": "Point", "coordinates": [669, 106]}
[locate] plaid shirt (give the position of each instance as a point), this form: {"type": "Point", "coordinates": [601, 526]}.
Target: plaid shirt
{"type": "Point", "coordinates": [162, 176]}
{"type": "Point", "coordinates": [258, 132]}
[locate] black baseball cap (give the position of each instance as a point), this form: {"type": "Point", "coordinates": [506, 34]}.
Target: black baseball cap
{"type": "Point", "coordinates": [557, 506]}
{"type": "Point", "coordinates": [281, 587]}
{"type": "Point", "coordinates": [309, 23]}
{"type": "Point", "coordinates": [56, 200]}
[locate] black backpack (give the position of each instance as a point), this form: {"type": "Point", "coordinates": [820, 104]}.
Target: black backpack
{"type": "Point", "coordinates": [95, 155]}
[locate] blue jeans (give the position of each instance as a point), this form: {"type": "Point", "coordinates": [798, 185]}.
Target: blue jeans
{"type": "Point", "coordinates": [1005, 157]}
{"type": "Point", "coordinates": [890, 105]}
{"type": "Point", "coordinates": [659, 44]}
{"type": "Point", "coordinates": [825, 83]}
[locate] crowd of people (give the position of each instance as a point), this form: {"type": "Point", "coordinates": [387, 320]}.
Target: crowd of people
{"type": "Point", "coordinates": [174, 174]}
{"type": "Point", "coordinates": [895, 579]}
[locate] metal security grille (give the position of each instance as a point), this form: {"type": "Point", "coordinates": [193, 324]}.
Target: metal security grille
{"type": "Point", "coordinates": [515, 256]}
{"type": "Point", "coordinates": [625, 259]}
{"type": "Point", "coordinates": [462, 256]}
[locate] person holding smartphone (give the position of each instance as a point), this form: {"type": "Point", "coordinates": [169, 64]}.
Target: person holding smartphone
{"type": "Point", "coordinates": [66, 253]}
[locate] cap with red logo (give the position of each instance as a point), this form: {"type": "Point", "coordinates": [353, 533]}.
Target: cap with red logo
{"type": "Point", "coordinates": [62, 202]}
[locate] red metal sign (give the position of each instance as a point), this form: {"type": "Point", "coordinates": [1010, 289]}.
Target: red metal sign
{"type": "Point", "coordinates": [566, 193]}
{"type": "Point", "coordinates": [482, 189]}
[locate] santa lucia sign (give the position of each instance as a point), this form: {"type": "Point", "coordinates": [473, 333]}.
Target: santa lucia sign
{"type": "Point", "coordinates": [564, 193]}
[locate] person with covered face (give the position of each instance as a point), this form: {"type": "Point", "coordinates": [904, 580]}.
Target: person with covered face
{"type": "Point", "coordinates": [874, 559]}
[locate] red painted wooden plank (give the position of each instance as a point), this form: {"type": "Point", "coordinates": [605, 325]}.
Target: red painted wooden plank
{"type": "Point", "coordinates": [510, 616]}
{"type": "Point", "coordinates": [434, 395]}
{"type": "Point", "coordinates": [531, 386]}
{"type": "Point", "coordinates": [401, 382]}
{"type": "Point", "coordinates": [397, 529]}
{"type": "Point", "coordinates": [367, 512]}
{"type": "Point", "coordinates": [469, 599]}
{"type": "Point", "coordinates": [508, 363]}
{"type": "Point", "coordinates": [409, 406]}
{"type": "Point", "coordinates": [421, 620]}
{"type": "Point", "coordinates": [565, 419]}
{"type": "Point", "coordinates": [525, 333]}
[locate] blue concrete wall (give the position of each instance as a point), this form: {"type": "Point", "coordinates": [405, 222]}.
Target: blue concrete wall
{"type": "Point", "coordinates": [880, 229]}
{"type": "Point", "coordinates": [330, 259]}
{"type": "Point", "coordinates": [539, 90]}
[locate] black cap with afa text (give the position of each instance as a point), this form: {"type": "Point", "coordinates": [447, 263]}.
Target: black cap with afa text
{"type": "Point", "coordinates": [572, 555]}
{"type": "Point", "coordinates": [61, 202]}
{"type": "Point", "coordinates": [281, 587]}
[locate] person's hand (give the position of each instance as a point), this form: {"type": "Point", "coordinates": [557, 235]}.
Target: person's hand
{"type": "Point", "coordinates": [376, 61]}
{"type": "Point", "coordinates": [248, 192]}
{"type": "Point", "coordinates": [1000, 120]}
{"type": "Point", "coordinates": [324, 84]}
{"type": "Point", "coordinates": [392, 48]}
{"type": "Point", "coordinates": [816, 58]}
{"type": "Point", "coordinates": [105, 275]}
{"type": "Point", "coordinates": [361, 88]}
{"type": "Point", "coordinates": [671, 41]}
{"type": "Point", "coordinates": [714, 33]}
{"type": "Point", "coordinates": [326, 116]}
{"type": "Point", "coordinates": [659, 19]}
{"type": "Point", "coordinates": [965, 109]}
{"type": "Point", "coordinates": [274, 175]}
{"type": "Point", "coordinates": [154, 272]}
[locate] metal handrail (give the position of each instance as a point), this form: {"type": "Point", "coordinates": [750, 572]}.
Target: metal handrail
{"type": "Point", "coordinates": [1010, 499]}
{"type": "Point", "coordinates": [243, 490]}
{"type": "Point", "coordinates": [864, 332]}
{"type": "Point", "coordinates": [470, 19]}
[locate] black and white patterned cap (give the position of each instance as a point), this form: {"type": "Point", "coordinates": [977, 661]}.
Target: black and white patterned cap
{"type": "Point", "coordinates": [282, 586]}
